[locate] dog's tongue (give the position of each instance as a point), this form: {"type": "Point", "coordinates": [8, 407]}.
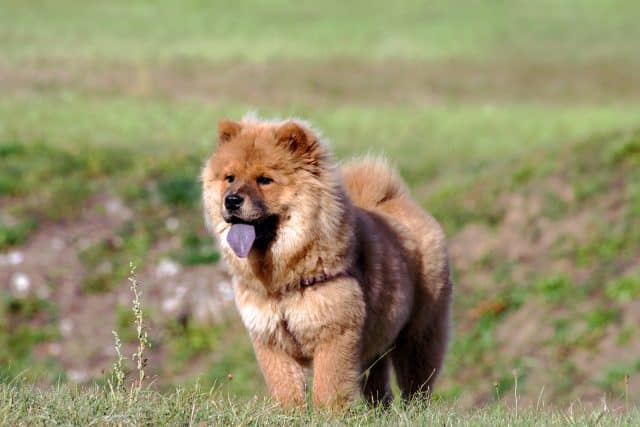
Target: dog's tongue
{"type": "Point", "coordinates": [241, 238]}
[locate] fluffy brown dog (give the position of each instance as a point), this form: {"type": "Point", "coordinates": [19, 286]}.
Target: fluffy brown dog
{"type": "Point", "coordinates": [335, 270]}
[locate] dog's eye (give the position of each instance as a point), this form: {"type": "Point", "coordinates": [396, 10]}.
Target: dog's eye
{"type": "Point", "coordinates": [229, 178]}
{"type": "Point", "coordinates": [264, 180]}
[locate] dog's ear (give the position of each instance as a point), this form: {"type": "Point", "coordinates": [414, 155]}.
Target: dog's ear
{"type": "Point", "coordinates": [227, 130]}
{"type": "Point", "coordinates": [295, 137]}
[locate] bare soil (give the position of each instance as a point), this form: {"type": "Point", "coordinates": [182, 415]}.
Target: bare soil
{"type": "Point", "coordinates": [49, 265]}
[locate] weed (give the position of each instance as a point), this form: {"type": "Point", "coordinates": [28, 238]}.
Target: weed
{"type": "Point", "coordinates": [16, 234]}
{"type": "Point", "coordinates": [596, 321]}
{"type": "Point", "coordinates": [625, 335]}
{"type": "Point", "coordinates": [197, 250]}
{"type": "Point", "coordinates": [627, 151]}
{"type": "Point", "coordinates": [116, 382]}
{"type": "Point", "coordinates": [117, 385]}
{"type": "Point", "coordinates": [143, 340]}
{"type": "Point", "coordinates": [600, 317]}
{"type": "Point", "coordinates": [25, 323]}
{"type": "Point", "coordinates": [605, 245]}
{"type": "Point", "coordinates": [623, 289]}
{"type": "Point", "coordinates": [523, 175]}
{"type": "Point", "coordinates": [557, 289]}
{"type": "Point", "coordinates": [615, 378]}
{"type": "Point", "coordinates": [26, 308]}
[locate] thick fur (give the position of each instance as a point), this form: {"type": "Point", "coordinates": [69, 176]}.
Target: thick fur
{"type": "Point", "coordinates": [387, 302]}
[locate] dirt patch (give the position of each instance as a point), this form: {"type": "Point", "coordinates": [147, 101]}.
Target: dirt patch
{"type": "Point", "coordinates": [552, 315]}
{"type": "Point", "coordinates": [48, 267]}
{"type": "Point", "coordinates": [391, 82]}
{"type": "Point", "coordinates": [526, 236]}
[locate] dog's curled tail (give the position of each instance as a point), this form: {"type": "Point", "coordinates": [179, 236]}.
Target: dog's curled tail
{"type": "Point", "coordinates": [371, 181]}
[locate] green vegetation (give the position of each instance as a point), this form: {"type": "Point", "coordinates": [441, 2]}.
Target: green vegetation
{"type": "Point", "coordinates": [18, 336]}
{"type": "Point", "coordinates": [197, 250]}
{"type": "Point", "coordinates": [108, 260]}
{"type": "Point", "coordinates": [255, 31]}
{"type": "Point", "coordinates": [15, 234]}
{"type": "Point", "coordinates": [70, 405]}
{"type": "Point", "coordinates": [516, 124]}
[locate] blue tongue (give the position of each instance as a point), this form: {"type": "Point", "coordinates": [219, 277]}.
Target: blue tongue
{"type": "Point", "coordinates": [241, 238]}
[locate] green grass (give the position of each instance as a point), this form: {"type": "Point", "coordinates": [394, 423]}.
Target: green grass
{"type": "Point", "coordinates": [18, 337]}
{"type": "Point", "coordinates": [258, 31]}
{"type": "Point", "coordinates": [423, 141]}
{"type": "Point", "coordinates": [22, 404]}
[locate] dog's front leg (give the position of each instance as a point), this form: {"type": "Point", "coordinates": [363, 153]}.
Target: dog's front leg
{"type": "Point", "coordinates": [336, 370]}
{"type": "Point", "coordinates": [284, 375]}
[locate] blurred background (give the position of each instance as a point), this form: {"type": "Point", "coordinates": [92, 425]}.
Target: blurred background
{"type": "Point", "coordinates": [517, 124]}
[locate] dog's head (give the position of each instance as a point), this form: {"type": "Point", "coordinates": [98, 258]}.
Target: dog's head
{"type": "Point", "coordinates": [262, 175]}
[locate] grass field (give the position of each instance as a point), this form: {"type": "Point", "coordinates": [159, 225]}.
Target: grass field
{"type": "Point", "coordinates": [256, 31]}
{"type": "Point", "coordinates": [70, 406]}
{"type": "Point", "coordinates": [516, 123]}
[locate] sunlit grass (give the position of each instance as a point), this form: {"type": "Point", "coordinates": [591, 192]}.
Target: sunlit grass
{"type": "Point", "coordinates": [256, 31]}
{"type": "Point", "coordinates": [423, 142]}
{"type": "Point", "coordinates": [68, 405]}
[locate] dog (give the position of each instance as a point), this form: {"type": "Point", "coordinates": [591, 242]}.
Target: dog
{"type": "Point", "coordinates": [336, 270]}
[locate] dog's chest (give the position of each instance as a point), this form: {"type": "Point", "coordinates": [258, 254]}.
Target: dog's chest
{"type": "Point", "coordinates": [294, 322]}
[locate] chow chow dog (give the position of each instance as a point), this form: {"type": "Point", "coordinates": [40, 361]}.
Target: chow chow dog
{"type": "Point", "coordinates": [336, 270]}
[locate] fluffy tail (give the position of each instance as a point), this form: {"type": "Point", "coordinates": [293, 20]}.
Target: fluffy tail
{"type": "Point", "coordinates": [372, 181]}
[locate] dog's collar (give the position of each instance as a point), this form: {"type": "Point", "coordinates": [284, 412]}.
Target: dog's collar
{"type": "Point", "coordinates": [321, 278]}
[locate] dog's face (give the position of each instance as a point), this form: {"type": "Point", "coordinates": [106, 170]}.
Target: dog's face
{"type": "Point", "coordinates": [257, 173]}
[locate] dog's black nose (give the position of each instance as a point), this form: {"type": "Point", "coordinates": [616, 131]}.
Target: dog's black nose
{"type": "Point", "coordinates": [233, 202]}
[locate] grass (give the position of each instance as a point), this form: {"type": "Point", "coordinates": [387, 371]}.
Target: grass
{"type": "Point", "coordinates": [18, 336]}
{"type": "Point", "coordinates": [73, 405]}
{"type": "Point", "coordinates": [421, 140]}
{"type": "Point", "coordinates": [255, 31]}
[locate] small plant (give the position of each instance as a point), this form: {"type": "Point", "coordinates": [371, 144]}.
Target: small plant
{"type": "Point", "coordinates": [628, 151]}
{"type": "Point", "coordinates": [16, 234]}
{"type": "Point", "coordinates": [556, 289]}
{"type": "Point", "coordinates": [116, 384]}
{"type": "Point", "coordinates": [118, 369]}
{"type": "Point", "coordinates": [143, 339]}
{"type": "Point", "coordinates": [623, 289]}
{"type": "Point", "coordinates": [20, 332]}
{"type": "Point", "coordinates": [615, 378]}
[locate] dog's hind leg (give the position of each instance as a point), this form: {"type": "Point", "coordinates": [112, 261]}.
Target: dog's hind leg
{"type": "Point", "coordinates": [376, 382]}
{"type": "Point", "coordinates": [420, 348]}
